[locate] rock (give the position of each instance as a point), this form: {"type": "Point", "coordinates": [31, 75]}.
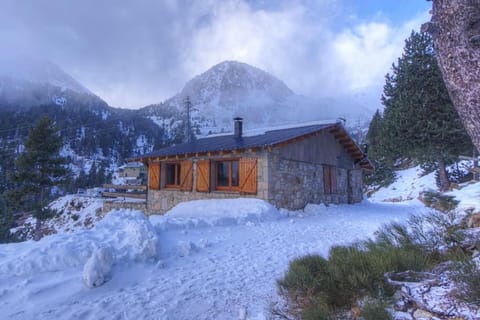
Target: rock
{"type": "Point", "coordinates": [420, 314]}
{"type": "Point", "coordinates": [355, 312]}
{"type": "Point", "coordinates": [474, 220]}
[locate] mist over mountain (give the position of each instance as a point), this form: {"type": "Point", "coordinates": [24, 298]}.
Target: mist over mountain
{"type": "Point", "coordinates": [230, 89]}
{"type": "Point", "coordinates": [100, 136]}
{"type": "Point", "coordinates": [28, 81]}
{"type": "Point", "coordinates": [97, 138]}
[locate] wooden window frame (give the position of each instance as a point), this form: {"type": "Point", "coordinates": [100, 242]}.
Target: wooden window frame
{"type": "Point", "coordinates": [177, 175]}
{"type": "Point", "coordinates": [230, 168]}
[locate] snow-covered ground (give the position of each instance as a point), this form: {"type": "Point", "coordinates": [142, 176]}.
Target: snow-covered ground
{"type": "Point", "coordinates": [208, 259]}
{"type": "Point", "coordinates": [407, 186]}
{"type": "Point", "coordinates": [73, 212]}
{"type": "Point", "coordinates": [207, 266]}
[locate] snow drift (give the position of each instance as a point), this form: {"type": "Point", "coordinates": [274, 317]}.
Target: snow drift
{"type": "Point", "coordinates": [215, 212]}
{"type": "Point", "coordinates": [127, 234]}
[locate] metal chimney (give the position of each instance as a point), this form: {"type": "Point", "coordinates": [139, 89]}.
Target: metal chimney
{"type": "Point", "coordinates": [238, 122]}
{"type": "Point", "coordinates": [365, 149]}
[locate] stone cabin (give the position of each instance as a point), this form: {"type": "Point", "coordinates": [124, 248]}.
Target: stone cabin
{"type": "Point", "coordinates": [132, 172]}
{"type": "Point", "coordinates": [288, 167]}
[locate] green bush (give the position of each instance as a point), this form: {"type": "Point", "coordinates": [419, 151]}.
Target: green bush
{"type": "Point", "coordinates": [467, 276]}
{"type": "Point", "coordinates": [375, 310]}
{"type": "Point", "coordinates": [322, 287]}
{"type": "Point", "coordinates": [318, 310]}
{"type": "Point", "coordinates": [439, 201]}
{"type": "Point", "coordinates": [305, 274]}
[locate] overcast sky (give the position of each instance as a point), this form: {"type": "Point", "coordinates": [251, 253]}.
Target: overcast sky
{"type": "Point", "coordinates": [136, 52]}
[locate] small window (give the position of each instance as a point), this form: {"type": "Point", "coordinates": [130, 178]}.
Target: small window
{"type": "Point", "coordinates": [227, 175]}
{"type": "Point", "coordinates": [173, 175]}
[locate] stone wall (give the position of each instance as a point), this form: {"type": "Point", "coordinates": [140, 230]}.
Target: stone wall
{"type": "Point", "coordinates": [355, 192]}
{"type": "Point", "coordinates": [288, 177]}
{"type": "Point", "coordinates": [296, 173]}
{"type": "Point", "coordinates": [294, 184]}
{"type": "Point", "coordinates": [160, 201]}
{"type": "Point", "coordinates": [109, 205]}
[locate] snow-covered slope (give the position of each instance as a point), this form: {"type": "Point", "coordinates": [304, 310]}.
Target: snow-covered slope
{"type": "Point", "coordinates": [28, 81]}
{"type": "Point", "coordinates": [38, 71]}
{"type": "Point", "coordinates": [408, 185]}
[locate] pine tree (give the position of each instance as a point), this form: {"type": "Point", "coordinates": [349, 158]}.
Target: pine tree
{"type": "Point", "coordinates": [6, 222]}
{"type": "Point", "coordinates": [92, 175]}
{"type": "Point", "coordinates": [374, 136]}
{"type": "Point", "coordinates": [100, 178]}
{"type": "Point", "coordinates": [383, 167]}
{"type": "Point", "coordinates": [419, 119]}
{"type": "Point", "coordinates": [38, 169]}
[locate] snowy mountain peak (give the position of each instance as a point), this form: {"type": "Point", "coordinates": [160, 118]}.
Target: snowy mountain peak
{"type": "Point", "coordinates": [227, 90]}
{"type": "Point", "coordinates": [229, 80]}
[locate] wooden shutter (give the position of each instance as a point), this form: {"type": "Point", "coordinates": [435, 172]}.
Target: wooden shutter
{"type": "Point", "coordinates": [333, 177]}
{"type": "Point", "coordinates": [248, 176]}
{"type": "Point", "coordinates": [186, 179]}
{"type": "Point", "coordinates": [327, 181]}
{"type": "Point", "coordinates": [203, 175]}
{"type": "Point", "coordinates": [330, 179]}
{"type": "Point", "coordinates": [154, 176]}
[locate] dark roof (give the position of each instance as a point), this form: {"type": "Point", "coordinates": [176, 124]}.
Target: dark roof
{"type": "Point", "coordinates": [229, 142]}
{"type": "Point", "coordinates": [266, 139]}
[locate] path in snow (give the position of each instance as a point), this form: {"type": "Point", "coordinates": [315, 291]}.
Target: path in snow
{"type": "Point", "coordinates": [203, 273]}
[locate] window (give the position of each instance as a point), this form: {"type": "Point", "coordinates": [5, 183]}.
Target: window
{"type": "Point", "coordinates": [173, 174]}
{"type": "Point", "coordinates": [227, 175]}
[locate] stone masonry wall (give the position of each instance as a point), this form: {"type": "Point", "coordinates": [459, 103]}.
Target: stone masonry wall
{"type": "Point", "coordinates": [115, 204]}
{"type": "Point", "coordinates": [160, 201]}
{"type": "Point", "coordinates": [296, 173]}
{"type": "Point", "coordinates": [294, 184]}
{"type": "Point", "coordinates": [355, 183]}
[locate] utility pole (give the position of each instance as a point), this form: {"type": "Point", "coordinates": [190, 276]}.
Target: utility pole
{"type": "Point", "coordinates": [188, 127]}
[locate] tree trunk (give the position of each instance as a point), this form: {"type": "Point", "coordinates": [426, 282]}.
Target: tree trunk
{"type": "Point", "coordinates": [38, 230]}
{"type": "Point", "coordinates": [475, 164]}
{"type": "Point", "coordinates": [443, 175]}
{"type": "Point", "coordinates": [455, 27]}
{"type": "Point", "coordinates": [38, 224]}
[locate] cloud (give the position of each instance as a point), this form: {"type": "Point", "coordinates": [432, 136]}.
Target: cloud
{"type": "Point", "coordinates": [314, 54]}
{"type": "Point", "coordinates": [365, 52]}
{"type": "Point", "coordinates": [133, 53]}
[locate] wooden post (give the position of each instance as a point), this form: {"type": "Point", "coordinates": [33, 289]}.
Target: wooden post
{"type": "Point", "coordinates": [475, 164]}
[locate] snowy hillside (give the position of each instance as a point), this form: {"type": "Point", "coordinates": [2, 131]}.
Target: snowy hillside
{"type": "Point", "coordinates": [410, 183]}
{"type": "Point", "coordinates": [38, 71]}
{"type": "Point", "coordinates": [28, 81]}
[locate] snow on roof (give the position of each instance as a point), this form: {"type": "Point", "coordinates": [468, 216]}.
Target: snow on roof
{"type": "Point", "coordinates": [134, 164]}
{"type": "Point", "coordinates": [230, 142]}
{"type": "Point", "coordinates": [263, 130]}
